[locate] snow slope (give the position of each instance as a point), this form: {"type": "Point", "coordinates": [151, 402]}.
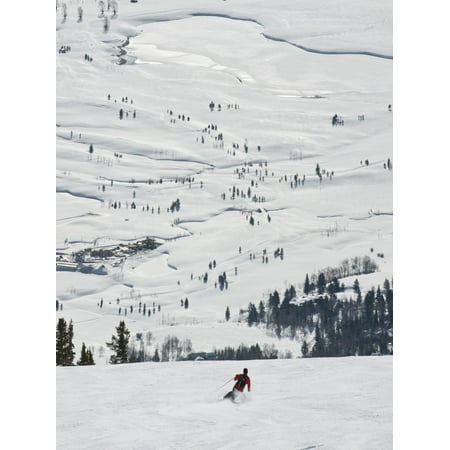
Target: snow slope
{"type": "Point", "coordinates": [280, 71]}
{"type": "Point", "coordinates": [158, 57]}
{"type": "Point", "coordinates": [331, 404]}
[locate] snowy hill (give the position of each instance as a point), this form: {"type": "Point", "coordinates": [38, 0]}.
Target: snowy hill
{"type": "Point", "coordinates": [256, 159]}
{"type": "Point", "coordinates": [194, 141]}
{"type": "Point", "coordinates": [325, 403]}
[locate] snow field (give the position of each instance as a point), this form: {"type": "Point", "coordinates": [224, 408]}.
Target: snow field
{"type": "Point", "coordinates": [179, 59]}
{"type": "Point", "coordinates": [330, 403]}
{"type": "Point", "coordinates": [285, 99]}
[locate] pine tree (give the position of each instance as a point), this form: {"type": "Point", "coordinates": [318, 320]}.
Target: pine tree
{"type": "Point", "coordinates": [356, 286]}
{"type": "Point", "coordinates": [307, 286]}
{"type": "Point", "coordinates": [262, 312]}
{"type": "Point", "coordinates": [83, 358]}
{"type": "Point", "coordinates": [61, 331]}
{"type": "Point", "coordinates": [119, 344]}
{"type": "Point", "coordinates": [227, 314]}
{"type": "Point", "coordinates": [319, 345]}
{"type": "Point", "coordinates": [64, 345]}
{"type": "Point", "coordinates": [70, 347]}
{"type": "Point", "coordinates": [321, 283]}
{"type": "Point", "coordinates": [274, 300]}
{"type": "Point", "coordinates": [252, 314]}
{"type": "Point", "coordinates": [86, 358]}
{"type": "Point", "coordinates": [305, 349]}
{"type": "Point", "coordinates": [90, 357]}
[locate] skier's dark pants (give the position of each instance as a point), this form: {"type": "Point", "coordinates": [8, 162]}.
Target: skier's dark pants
{"type": "Point", "coordinates": [231, 395]}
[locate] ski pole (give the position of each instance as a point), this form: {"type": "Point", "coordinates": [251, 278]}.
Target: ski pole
{"type": "Point", "coordinates": [225, 383]}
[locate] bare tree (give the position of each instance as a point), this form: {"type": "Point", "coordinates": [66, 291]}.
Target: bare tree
{"type": "Point", "coordinates": [101, 6]}
{"type": "Point", "coordinates": [115, 7]}
{"type": "Point", "coordinates": [80, 14]}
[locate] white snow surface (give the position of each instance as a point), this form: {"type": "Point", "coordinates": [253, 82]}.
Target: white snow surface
{"type": "Point", "coordinates": [324, 403]}
{"type": "Point", "coordinates": [180, 56]}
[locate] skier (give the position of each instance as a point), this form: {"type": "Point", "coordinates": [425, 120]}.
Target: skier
{"type": "Point", "coordinates": [242, 380]}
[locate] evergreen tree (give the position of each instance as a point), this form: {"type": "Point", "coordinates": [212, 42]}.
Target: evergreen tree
{"type": "Point", "coordinates": [90, 357]}
{"type": "Point", "coordinates": [307, 286]}
{"type": "Point", "coordinates": [86, 358]}
{"type": "Point", "coordinates": [319, 345]}
{"type": "Point", "coordinates": [64, 345]}
{"type": "Point", "coordinates": [321, 283]}
{"type": "Point", "coordinates": [274, 300]}
{"type": "Point", "coordinates": [83, 358]}
{"type": "Point", "coordinates": [262, 312]}
{"type": "Point", "coordinates": [119, 344]}
{"type": "Point", "coordinates": [356, 288]}
{"type": "Point", "coordinates": [252, 314]}
{"type": "Point", "coordinates": [227, 314]}
{"type": "Point", "coordinates": [305, 349]}
{"type": "Point", "coordinates": [156, 356]}
{"type": "Point", "coordinates": [61, 332]}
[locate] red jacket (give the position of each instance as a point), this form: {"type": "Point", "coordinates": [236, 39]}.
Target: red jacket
{"type": "Point", "coordinates": [242, 380]}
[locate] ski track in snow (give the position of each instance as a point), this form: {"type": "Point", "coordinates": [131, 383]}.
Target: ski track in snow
{"type": "Point", "coordinates": [63, 219]}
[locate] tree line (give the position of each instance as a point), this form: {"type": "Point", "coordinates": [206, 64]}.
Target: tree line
{"type": "Point", "coordinates": [243, 352]}
{"type": "Point", "coordinates": [338, 327]}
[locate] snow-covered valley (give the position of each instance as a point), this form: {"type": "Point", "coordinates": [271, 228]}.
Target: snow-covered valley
{"type": "Point", "coordinates": [207, 130]}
